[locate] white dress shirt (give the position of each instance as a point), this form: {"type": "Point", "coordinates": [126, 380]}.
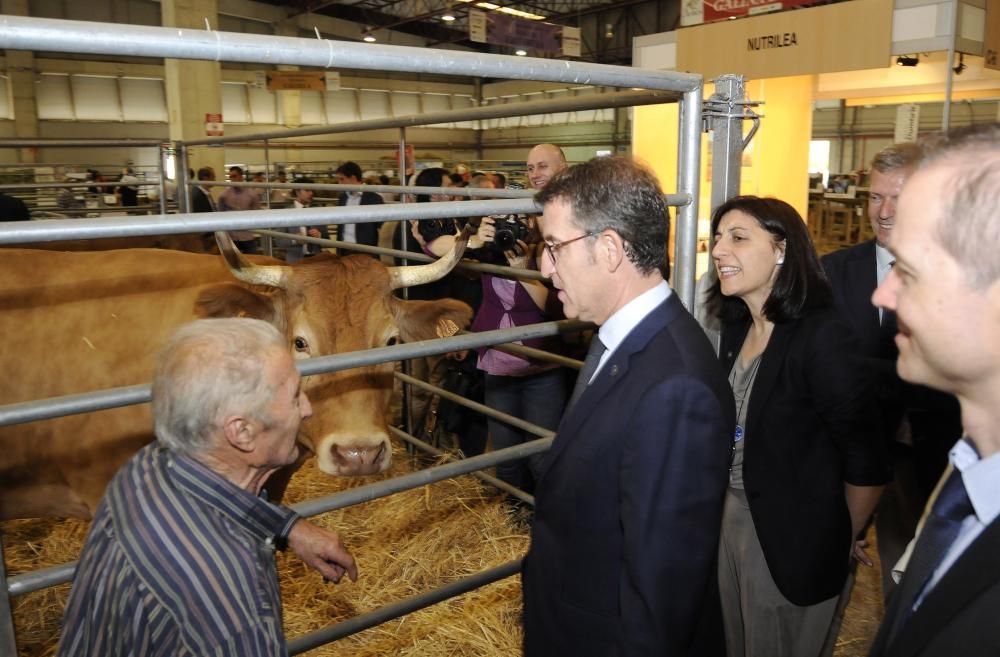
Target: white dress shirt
{"type": "Point", "coordinates": [619, 325]}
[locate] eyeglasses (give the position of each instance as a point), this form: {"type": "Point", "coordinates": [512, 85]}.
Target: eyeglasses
{"type": "Point", "coordinates": [552, 247]}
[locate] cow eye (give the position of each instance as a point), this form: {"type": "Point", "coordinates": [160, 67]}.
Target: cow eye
{"type": "Point", "coordinates": [392, 341]}
{"type": "Point", "coordinates": [301, 344]}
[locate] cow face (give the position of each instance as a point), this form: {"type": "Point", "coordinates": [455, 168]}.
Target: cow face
{"type": "Point", "coordinates": [328, 305]}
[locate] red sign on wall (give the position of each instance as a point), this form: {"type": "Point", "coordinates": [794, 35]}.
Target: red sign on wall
{"type": "Point", "coordinates": [706, 11]}
{"type": "Point", "coordinates": [213, 125]}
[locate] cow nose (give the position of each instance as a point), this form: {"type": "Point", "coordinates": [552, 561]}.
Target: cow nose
{"type": "Point", "coordinates": [354, 460]}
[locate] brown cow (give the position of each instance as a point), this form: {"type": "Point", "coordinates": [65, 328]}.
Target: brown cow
{"type": "Point", "coordinates": [76, 322]}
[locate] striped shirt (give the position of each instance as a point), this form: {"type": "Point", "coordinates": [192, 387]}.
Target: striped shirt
{"type": "Point", "coordinates": [179, 561]}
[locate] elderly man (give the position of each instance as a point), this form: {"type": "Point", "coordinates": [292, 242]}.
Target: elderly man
{"type": "Point", "coordinates": [180, 556]}
{"type": "Point", "coordinates": [544, 161]}
{"type": "Point", "coordinates": [629, 502]}
{"type": "Point", "coordinates": [918, 423]}
{"type": "Point", "coordinates": [945, 292]}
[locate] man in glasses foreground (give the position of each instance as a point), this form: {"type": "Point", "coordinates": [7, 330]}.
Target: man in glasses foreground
{"type": "Point", "coordinates": [629, 502]}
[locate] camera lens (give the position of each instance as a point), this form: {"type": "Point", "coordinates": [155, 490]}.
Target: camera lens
{"type": "Point", "coordinates": [505, 239]}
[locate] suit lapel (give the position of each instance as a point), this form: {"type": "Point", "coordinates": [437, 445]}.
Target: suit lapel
{"type": "Point", "coordinates": [771, 363]}
{"type": "Point", "coordinates": [862, 278]}
{"type": "Point", "coordinates": [614, 369]}
{"type": "Point", "coordinates": [976, 570]}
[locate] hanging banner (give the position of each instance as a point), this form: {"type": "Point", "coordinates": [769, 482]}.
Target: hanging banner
{"type": "Point", "coordinates": [477, 26]}
{"type": "Point", "coordinates": [503, 30]}
{"type": "Point", "coordinates": [907, 122]}
{"type": "Point", "coordinates": [571, 41]}
{"type": "Point", "coordinates": [296, 81]}
{"type": "Point", "coordinates": [696, 12]}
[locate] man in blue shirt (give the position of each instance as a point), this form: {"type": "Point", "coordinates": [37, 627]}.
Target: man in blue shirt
{"type": "Point", "coordinates": [945, 291]}
{"type": "Point", "coordinates": [180, 556]}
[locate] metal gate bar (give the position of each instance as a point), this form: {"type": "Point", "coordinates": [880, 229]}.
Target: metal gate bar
{"type": "Point", "coordinates": [395, 610]}
{"type": "Point", "coordinates": [140, 393]}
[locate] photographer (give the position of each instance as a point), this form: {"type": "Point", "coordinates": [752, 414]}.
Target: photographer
{"type": "Point", "coordinates": [529, 389]}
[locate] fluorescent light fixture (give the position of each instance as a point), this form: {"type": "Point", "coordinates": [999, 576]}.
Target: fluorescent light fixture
{"type": "Point", "coordinates": [506, 10]}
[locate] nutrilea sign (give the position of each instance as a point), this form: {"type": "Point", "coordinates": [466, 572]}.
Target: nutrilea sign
{"type": "Point", "coordinates": [706, 11]}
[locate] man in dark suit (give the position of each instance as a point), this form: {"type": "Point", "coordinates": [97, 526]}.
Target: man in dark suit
{"type": "Point", "coordinates": [629, 501]}
{"type": "Point", "coordinates": [349, 173]}
{"type": "Point", "coordinates": [13, 209]}
{"type": "Point", "coordinates": [201, 197]}
{"type": "Point", "coordinates": [945, 292]}
{"type": "Point", "coordinates": [918, 424]}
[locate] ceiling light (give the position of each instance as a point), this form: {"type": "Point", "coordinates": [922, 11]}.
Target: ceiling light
{"type": "Point", "coordinates": [907, 60]}
{"type": "Point", "coordinates": [505, 10]}
{"type": "Point", "coordinates": [368, 37]}
{"type": "Point", "coordinates": [448, 16]}
{"type": "Point", "coordinates": [520, 52]}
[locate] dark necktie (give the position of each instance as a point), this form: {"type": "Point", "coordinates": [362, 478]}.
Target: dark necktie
{"type": "Point", "coordinates": [941, 528]}
{"type": "Point", "coordinates": [594, 354]}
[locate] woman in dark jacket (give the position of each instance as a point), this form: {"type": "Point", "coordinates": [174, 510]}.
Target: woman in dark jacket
{"type": "Point", "coordinates": [808, 461]}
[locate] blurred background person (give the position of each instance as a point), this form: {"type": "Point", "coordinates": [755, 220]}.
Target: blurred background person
{"type": "Point", "coordinates": [201, 197]}
{"type": "Point", "coordinates": [13, 209]}
{"type": "Point", "coordinates": [128, 188]}
{"type": "Point", "coordinates": [239, 199]}
{"type": "Point", "coordinates": [295, 251]}
{"type": "Point", "coordinates": [349, 173]}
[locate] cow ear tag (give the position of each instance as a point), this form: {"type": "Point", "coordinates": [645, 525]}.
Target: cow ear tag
{"type": "Point", "coordinates": [446, 328]}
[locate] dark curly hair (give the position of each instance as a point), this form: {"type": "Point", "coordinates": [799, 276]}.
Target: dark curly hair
{"type": "Point", "coordinates": [801, 284]}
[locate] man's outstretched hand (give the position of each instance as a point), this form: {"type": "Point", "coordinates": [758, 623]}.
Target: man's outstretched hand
{"type": "Point", "coordinates": [322, 549]}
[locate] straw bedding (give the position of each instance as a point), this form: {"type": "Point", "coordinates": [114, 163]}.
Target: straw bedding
{"type": "Point", "coordinates": [405, 544]}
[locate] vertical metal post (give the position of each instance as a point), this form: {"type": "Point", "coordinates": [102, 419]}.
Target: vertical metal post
{"type": "Point", "coordinates": [267, 175]}
{"type": "Point", "coordinates": [950, 72]}
{"type": "Point", "coordinates": [404, 245]}
{"type": "Point", "coordinates": [727, 138]}
{"type": "Point", "coordinates": [725, 120]}
{"type": "Point", "coordinates": [266, 240]}
{"type": "Point", "coordinates": [183, 190]}
{"type": "Point", "coordinates": [164, 151]}
{"type": "Point", "coordinates": [688, 172]}
{"type": "Point", "coordinates": [8, 642]}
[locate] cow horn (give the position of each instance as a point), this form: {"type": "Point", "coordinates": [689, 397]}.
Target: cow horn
{"type": "Point", "coordinates": [412, 275]}
{"type": "Point", "coordinates": [246, 271]}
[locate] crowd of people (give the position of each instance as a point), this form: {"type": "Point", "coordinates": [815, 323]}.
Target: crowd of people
{"type": "Point", "coordinates": [695, 500]}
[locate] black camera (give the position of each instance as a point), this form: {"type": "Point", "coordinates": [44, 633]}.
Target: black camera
{"type": "Point", "coordinates": [509, 229]}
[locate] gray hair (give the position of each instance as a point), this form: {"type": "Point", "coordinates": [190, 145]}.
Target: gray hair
{"type": "Point", "coordinates": [208, 370]}
{"type": "Point", "coordinates": [905, 155]}
{"type": "Point", "coordinates": [969, 226]}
